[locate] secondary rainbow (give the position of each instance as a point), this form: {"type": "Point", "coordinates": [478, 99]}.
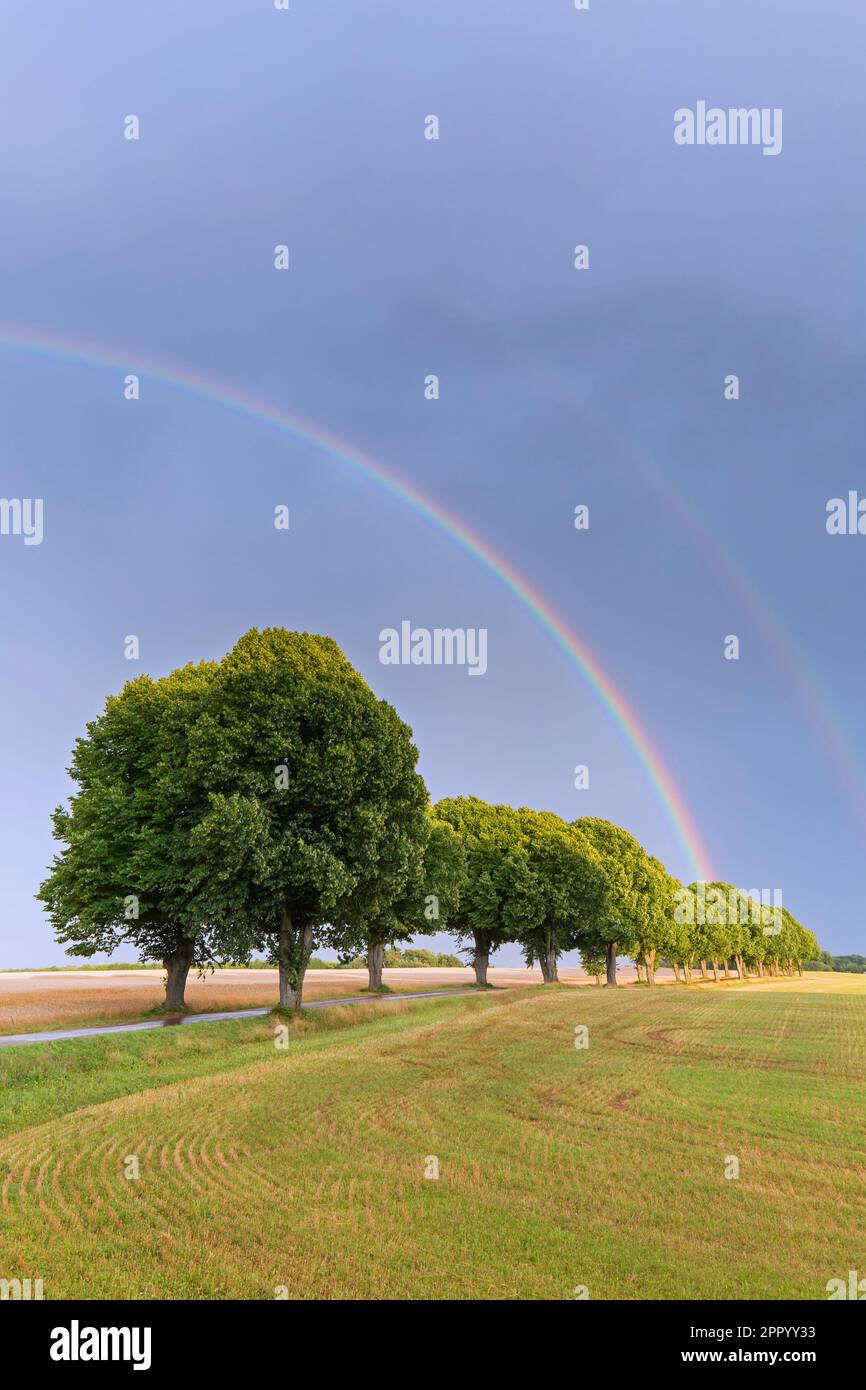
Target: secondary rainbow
{"type": "Point", "coordinates": [208, 388]}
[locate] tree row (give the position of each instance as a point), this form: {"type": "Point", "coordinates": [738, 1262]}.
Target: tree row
{"type": "Point", "coordinates": [270, 802]}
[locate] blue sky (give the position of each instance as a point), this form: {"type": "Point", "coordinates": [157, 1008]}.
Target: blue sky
{"type": "Point", "coordinates": [454, 256]}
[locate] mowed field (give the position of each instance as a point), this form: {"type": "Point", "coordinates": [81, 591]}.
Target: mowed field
{"type": "Point", "coordinates": [262, 1170]}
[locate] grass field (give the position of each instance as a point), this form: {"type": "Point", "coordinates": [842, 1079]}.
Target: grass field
{"type": "Point", "coordinates": [558, 1168]}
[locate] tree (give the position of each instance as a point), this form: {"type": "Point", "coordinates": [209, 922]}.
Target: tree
{"type": "Point", "coordinates": [720, 920]}
{"type": "Point", "coordinates": [797, 943]}
{"type": "Point", "coordinates": [593, 961]}
{"type": "Point", "coordinates": [495, 889]}
{"type": "Point", "coordinates": [727, 910]}
{"type": "Point", "coordinates": [565, 891]}
{"type": "Point", "coordinates": [317, 814]}
{"type": "Point", "coordinates": [764, 950]}
{"type": "Point", "coordinates": [428, 898]}
{"type": "Point", "coordinates": [657, 931]}
{"type": "Point", "coordinates": [807, 946]}
{"type": "Point", "coordinates": [627, 875]}
{"type": "Point", "coordinates": [708, 940]}
{"type": "Point", "coordinates": [128, 872]}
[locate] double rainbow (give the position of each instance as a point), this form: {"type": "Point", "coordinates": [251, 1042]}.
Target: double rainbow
{"type": "Point", "coordinates": [576, 650]}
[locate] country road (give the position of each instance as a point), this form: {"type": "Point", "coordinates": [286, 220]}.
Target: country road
{"type": "Point", "coordinates": [63, 1034]}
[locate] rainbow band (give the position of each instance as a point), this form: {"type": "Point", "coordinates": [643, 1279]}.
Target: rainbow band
{"type": "Point", "coordinates": [661, 779]}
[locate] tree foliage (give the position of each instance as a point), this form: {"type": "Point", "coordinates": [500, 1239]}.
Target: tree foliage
{"type": "Point", "coordinates": [270, 801]}
{"type": "Point", "coordinates": [495, 891]}
{"type": "Point", "coordinates": [131, 869]}
{"type": "Point", "coordinates": [317, 813]}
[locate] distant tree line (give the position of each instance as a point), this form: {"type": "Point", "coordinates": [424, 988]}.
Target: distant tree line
{"type": "Point", "coordinates": [850, 965]}
{"type": "Point", "coordinates": [270, 803]}
{"type": "Point", "coordinates": [410, 958]}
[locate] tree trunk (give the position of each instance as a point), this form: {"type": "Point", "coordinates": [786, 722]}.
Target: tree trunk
{"type": "Point", "coordinates": [375, 963]}
{"type": "Point", "coordinates": [649, 961]}
{"type": "Point", "coordinates": [294, 948]}
{"type": "Point", "coordinates": [715, 965]}
{"type": "Point", "coordinates": [481, 958]}
{"type": "Point", "coordinates": [704, 975]}
{"type": "Point", "coordinates": [738, 962]}
{"type": "Point", "coordinates": [676, 971]}
{"type": "Point", "coordinates": [177, 964]}
{"type": "Point", "coordinates": [547, 961]}
{"type": "Point", "coordinates": [725, 968]}
{"type": "Point", "coordinates": [611, 962]}
{"type": "Point", "coordinates": [800, 968]}
{"type": "Point", "coordinates": [598, 979]}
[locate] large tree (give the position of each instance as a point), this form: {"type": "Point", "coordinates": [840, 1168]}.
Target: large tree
{"type": "Point", "coordinates": [317, 817]}
{"type": "Point", "coordinates": [496, 892]}
{"type": "Point", "coordinates": [129, 869]}
{"type": "Point", "coordinates": [804, 945]}
{"type": "Point", "coordinates": [421, 903]}
{"type": "Point", "coordinates": [728, 923]}
{"type": "Point", "coordinates": [628, 879]}
{"type": "Point", "coordinates": [568, 889]}
{"type": "Point", "coordinates": [656, 931]}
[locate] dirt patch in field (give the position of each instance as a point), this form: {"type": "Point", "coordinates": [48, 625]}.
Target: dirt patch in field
{"type": "Point", "coordinates": [624, 1101]}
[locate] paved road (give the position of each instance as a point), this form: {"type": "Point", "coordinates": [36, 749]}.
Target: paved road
{"type": "Point", "coordinates": [63, 1034]}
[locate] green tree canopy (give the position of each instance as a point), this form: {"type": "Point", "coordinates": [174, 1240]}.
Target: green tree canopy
{"type": "Point", "coordinates": [496, 901]}
{"type": "Point", "coordinates": [628, 880]}
{"type": "Point", "coordinates": [566, 894]}
{"type": "Point", "coordinates": [131, 862]}
{"type": "Point", "coordinates": [428, 898]}
{"type": "Point", "coordinates": [317, 816]}
{"type": "Point", "coordinates": [656, 931]}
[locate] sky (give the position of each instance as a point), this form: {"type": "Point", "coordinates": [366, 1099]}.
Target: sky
{"type": "Point", "coordinates": [558, 387]}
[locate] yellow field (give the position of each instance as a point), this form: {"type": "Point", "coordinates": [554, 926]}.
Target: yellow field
{"type": "Point", "coordinates": [32, 1001]}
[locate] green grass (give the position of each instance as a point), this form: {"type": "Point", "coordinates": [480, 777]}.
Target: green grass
{"type": "Point", "coordinates": [40, 1082]}
{"type": "Point", "coordinates": [305, 1168]}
